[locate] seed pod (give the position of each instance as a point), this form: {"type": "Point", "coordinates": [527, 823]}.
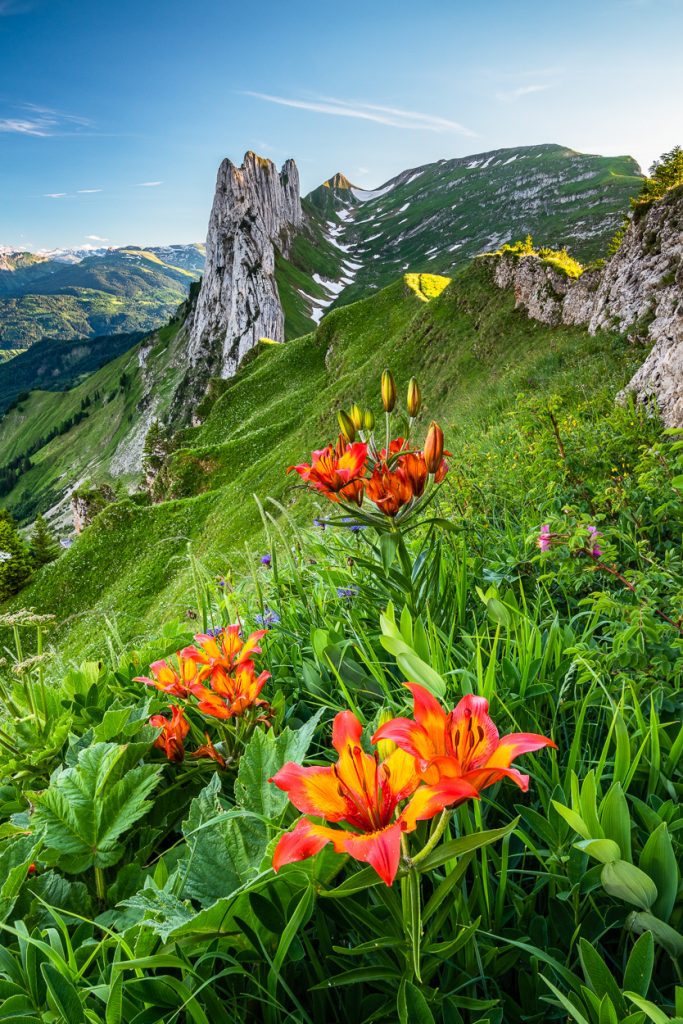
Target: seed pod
{"type": "Point", "coordinates": [414, 398]}
{"type": "Point", "coordinates": [369, 420]}
{"type": "Point", "coordinates": [346, 426]}
{"type": "Point", "coordinates": [433, 449]}
{"type": "Point", "coordinates": [388, 391]}
{"type": "Point", "coordinates": [356, 415]}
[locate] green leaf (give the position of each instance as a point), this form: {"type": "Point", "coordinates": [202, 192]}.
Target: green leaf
{"type": "Point", "coordinates": [662, 933]}
{"type": "Point", "coordinates": [629, 883]}
{"type": "Point", "coordinates": [498, 613]}
{"type": "Point", "coordinates": [16, 858]}
{"type": "Point", "coordinates": [604, 850]}
{"type": "Point", "coordinates": [456, 847]}
{"type": "Point", "coordinates": [388, 546]}
{"type": "Point", "coordinates": [599, 976]}
{"type": "Point", "coordinates": [659, 861]}
{"type": "Point", "coordinates": [265, 754]}
{"type": "Point", "coordinates": [653, 1012]}
{"type": "Point", "coordinates": [573, 819]}
{"type": "Point", "coordinates": [224, 848]}
{"type": "Point", "coordinates": [616, 820]}
{"type": "Point", "coordinates": [638, 971]}
{"type": "Point", "coordinates": [411, 1005]}
{"type": "Point", "coordinates": [89, 806]}
{"type": "Point", "coordinates": [64, 994]}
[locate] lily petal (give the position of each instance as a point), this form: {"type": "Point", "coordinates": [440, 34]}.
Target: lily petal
{"type": "Point", "coordinates": [312, 790]}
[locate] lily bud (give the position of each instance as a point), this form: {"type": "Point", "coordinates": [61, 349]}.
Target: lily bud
{"type": "Point", "coordinates": [433, 449]}
{"type": "Point", "coordinates": [346, 426]}
{"type": "Point", "coordinates": [385, 747]}
{"type": "Point", "coordinates": [356, 416]}
{"type": "Point", "coordinates": [388, 391]}
{"type": "Point", "coordinates": [414, 398]}
{"type": "Point", "coordinates": [369, 420]}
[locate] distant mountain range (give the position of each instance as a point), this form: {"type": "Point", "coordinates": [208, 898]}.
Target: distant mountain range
{"type": "Point", "coordinates": [77, 293]}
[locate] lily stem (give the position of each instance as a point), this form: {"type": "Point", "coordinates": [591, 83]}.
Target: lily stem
{"type": "Point", "coordinates": [433, 839]}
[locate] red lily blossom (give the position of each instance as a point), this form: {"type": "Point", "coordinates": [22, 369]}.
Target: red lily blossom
{"type": "Point", "coordinates": [231, 694]}
{"type": "Point", "coordinates": [219, 656]}
{"type": "Point", "coordinates": [208, 750]}
{"type": "Point", "coordinates": [364, 794]}
{"type": "Point", "coordinates": [173, 733]}
{"type": "Point", "coordinates": [463, 744]}
{"type": "Point", "coordinates": [388, 489]}
{"type": "Point", "coordinates": [169, 679]}
{"type": "Point", "coordinates": [335, 472]}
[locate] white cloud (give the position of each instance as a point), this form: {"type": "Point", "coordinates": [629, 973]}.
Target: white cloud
{"type": "Point", "coordinates": [41, 122]}
{"type": "Point", "coordinates": [392, 116]}
{"type": "Point", "coordinates": [511, 95]}
{"type": "Point", "coordinates": [87, 191]}
{"type": "Point", "coordinates": [147, 184]}
{"type": "Point", "coordinates": [96, 238]}
{"type": "Point", "coordinates": [55, 195]}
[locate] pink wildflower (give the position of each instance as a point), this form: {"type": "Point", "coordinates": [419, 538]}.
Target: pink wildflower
{"type": "Point", "coordinates": [596, 550]}
{"type": "Point", "coordinates": [544, 538]}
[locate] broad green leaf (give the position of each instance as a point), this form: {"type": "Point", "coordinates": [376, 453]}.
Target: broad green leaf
{"type": "Point", "coordinates": [659, 861]}
{"type": "Point", "coordinates": [599, 976]}
{"type": "Point", "coordinates": [89, 806]}
{"type": "Point", "coordinates": [573, 819]}
{"type": "Point", "coordinates": [265, 754]}
{"type": "Point", "coordinates": [224, 848]}
{"type": "Point", "coordinates": [629, 883]}
{"type": "Point", "coordinates": [64, 994]}
{"type": "Point", "coordinates": [15, 860]}
{"type": "Point", "coordinates": [411, 1005]}
{"type": "Point", "coordinates": [640, 963]}
{"type": "Point", "coordinates": [456, 847]}
{"type": "Point", "coordinates": [653, 1012]}
{"type": "Point", "coordinates": [663, 933]}
{"type": "Point", "coordinates": [616, 820]}
{"type": "Point", "coordinates": [603, 850]}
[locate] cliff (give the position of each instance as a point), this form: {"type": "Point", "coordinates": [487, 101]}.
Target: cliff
{"type": "Point", "coordinates": [255, 210]}
{"type": "Point", "coordinates": [639, 292]}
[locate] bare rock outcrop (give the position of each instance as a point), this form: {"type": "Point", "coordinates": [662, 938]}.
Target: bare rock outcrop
{"type": "Point", "coordinates": [255, 210]}
{"type": "Point", "coordinates": [639, 292]}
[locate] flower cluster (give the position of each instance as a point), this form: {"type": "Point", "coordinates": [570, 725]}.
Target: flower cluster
{"type": "Point", "coordinates": [367, 479]}
{"type": "Point", "coordinates": [217, 677]}
{"type": "Point", "coordinates": [436, 761]}
{"type": "Point", "coordinates": [546, 540]}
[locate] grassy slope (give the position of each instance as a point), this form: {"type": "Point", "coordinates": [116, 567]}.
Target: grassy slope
{"type": "Point", "coordinates": [473, 354]}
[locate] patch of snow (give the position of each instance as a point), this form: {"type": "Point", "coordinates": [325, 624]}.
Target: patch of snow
{"type": "Point", "coordinates": [413, 177]}
{"type": "Point", "coordinates": [473, 163]}
{"type": "Point", "coordinates": [484, 166]}
{"type": "Point", "coordinates": [363, 195]}
{"type": "Point", "coordinates": [510, 160]}
{"type": "Point", "coordinates": [403, 208]}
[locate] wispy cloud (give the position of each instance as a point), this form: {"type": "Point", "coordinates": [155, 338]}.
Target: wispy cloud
{"type": "Point", "coordinates": [55, 195]}
{"type": "Point", "coordinates": [147, 184]}
{"type": "Point", "coordinates": [96, 238]}
{"type": "Point", "coordinates": [392, 116]}
{"type": "Point", "coordinates": [41, 122]}
{"type": "Point", "coordinates": [511, 95]}
{"type": "Point", "coordinates": [87, 191]}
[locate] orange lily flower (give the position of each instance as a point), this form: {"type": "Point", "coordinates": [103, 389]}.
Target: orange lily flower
{"type": "Point", "coordinates": [336, 473]}
{"type": "Point", "coordinates": [231, 695]}
{"type": "Point", "coordinates": [208, 750]}
{"type": "Point", "coordinates": [173, 733]}
{"type": "Point", "coordinates": [388, 489]}
{"type": "Point", "coordinates": [169, 679]}
{"type": "Point", "coordinates": [463, 744]}
{"type": "Point", "coordinates": [218, 655]}
{"type": "Point", "coordinates": [362, 793]}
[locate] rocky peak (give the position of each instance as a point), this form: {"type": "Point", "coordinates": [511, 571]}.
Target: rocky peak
{"type": "Point", "coordinates": [639, 292]}
{"type": "Point", "coordinates": [256, 209]}
{"type": "Point", "coordinates": [338, 180]}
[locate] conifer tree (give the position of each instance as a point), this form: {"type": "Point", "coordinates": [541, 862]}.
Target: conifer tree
{"type": "Point", "coordinates": [43, 547]}
{"type": "Point", "coordinates": [15, 564]}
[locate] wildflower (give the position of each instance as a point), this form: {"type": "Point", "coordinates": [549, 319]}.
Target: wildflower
{"type": "Point", "coordinates": [353, 526]}
{"type": "Point", "coordinates": [388, 489]}
{"type": "Point", "coordinates": [596, 550]}
{"type": "Point", "coordinates": [337, 475]}
{"type": "Point", "coordinates": [5, 556]}
{"type": "Point", "coordinates": [320, 523]}
{"type": "Point", "coordinates": [218, 656]}
{"type": "Point", "coordinates": [388, 390]}
{"type": "Point", "coordinates": [231, 694]}
{"type": "Point", "coordinates": [175, 681]}
{"type": "Point", "coordinates": [269, 617]}
{"type": "Point", "coordinates": [463, 744]}
{"type": "Point", "coordinates": [364, 794]}
{"type": "Point", "coordinates": [433, 449]}
{"type": "Point", "coordinates": [544, 540]}
{"type": "Point", "coordinates": [347, 593]}
{"type": "Point", "coordinates": [208, 750]}
{"type": "Point", "coordinates": [266, 560]}
{"type": "Point", "coordinates": [172, 734]}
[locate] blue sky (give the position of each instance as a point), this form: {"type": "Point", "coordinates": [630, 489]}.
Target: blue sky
{"type": "Point", "coordinates": [115, 116]}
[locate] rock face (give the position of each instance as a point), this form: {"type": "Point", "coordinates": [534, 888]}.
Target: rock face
{"type": "Point", "coordinates": [85, 504]}
{"type": "Point", "coordinates": [255, 210]}
{"type": "Point", "coordinates": [639, 292]}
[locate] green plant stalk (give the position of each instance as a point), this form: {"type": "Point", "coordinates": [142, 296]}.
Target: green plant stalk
{"type": "Point", "coordinates": [433, 839]}
{"type": "Point", "coordinates": [100, 887]}
{"type": "Point", "coordinates": [41, 674]}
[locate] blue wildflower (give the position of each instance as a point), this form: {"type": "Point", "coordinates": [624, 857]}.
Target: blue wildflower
{"type": "Point", "coordinates": [347, 593]}
{"type": "Point", "coordinates": [266, 560]}
{"type": "Point", "coordinates": [353, 526]}
{"type": "Point", "coordinates": [269, 618]}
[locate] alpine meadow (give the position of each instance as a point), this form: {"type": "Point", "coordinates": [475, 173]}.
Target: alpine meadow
{"type": "Point", "coordinates": [341, 568]}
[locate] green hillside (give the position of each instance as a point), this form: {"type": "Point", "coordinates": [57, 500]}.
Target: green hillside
{"type": "Point", "coordinates": [119, 291]}
{"type": "Point", "coordinates": [472, 352]}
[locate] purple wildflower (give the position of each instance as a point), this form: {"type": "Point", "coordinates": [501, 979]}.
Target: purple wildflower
{"type": "Point", "coordinates": [353, 526]}
{"type": "Point", "coordinates": [269, 618]}
{"type": "Point", "coordinates": [320, 523]}
{"type": "Point", "coordinates": [596, 550]}
{"type": "Point", "coordinates": [215, 632]}
{"type": "Point", "coordinates": [347, 593]}
{"type": "Point", "coordinates": [266, 560]}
